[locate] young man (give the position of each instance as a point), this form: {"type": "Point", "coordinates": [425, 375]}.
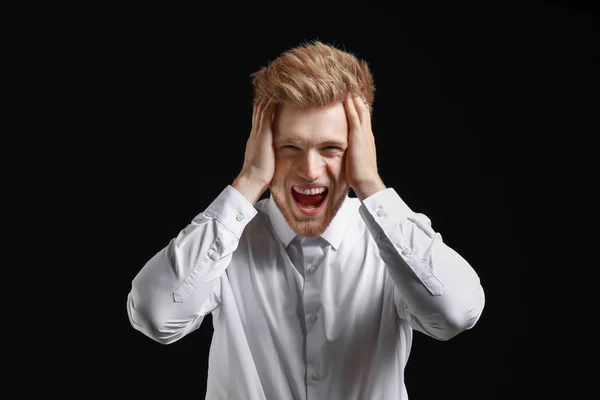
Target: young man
{"type": "Point", "coordinates": [313, 294]}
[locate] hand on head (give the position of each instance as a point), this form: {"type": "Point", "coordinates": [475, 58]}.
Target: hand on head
{"type": "Point", "coordinates": [259, 159]}
{"type": "Point", "coordinates": [361, 155]}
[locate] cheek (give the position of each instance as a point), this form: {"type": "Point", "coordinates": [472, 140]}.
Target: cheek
{"type": "Point", "coordinates": [336, 168]}
{"type": "Point", "coordinates": [282, 168]}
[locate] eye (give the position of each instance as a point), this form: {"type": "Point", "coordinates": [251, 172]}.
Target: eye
{"type": "Point", "coordinates": [288, 148]}
{"type": "Point", "coordinates": [333, 148]}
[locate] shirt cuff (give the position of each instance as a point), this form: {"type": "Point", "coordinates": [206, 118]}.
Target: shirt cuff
{"type": "Point", "coordinates": [232, 210]}
{"type": "Point", "coordinates": [387, 203]}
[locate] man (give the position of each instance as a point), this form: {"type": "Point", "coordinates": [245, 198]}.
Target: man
{"type": "Point", "coordinates": [314, 294]}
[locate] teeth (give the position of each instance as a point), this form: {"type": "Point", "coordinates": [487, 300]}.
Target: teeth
{"type": "Point", "coordinates": [309, 191]}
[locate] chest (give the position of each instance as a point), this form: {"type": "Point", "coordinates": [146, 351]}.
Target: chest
{"type": "Point", "coordinates": [276, 287]}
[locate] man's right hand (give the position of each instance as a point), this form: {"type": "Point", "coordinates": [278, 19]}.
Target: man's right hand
{"type": "Point", "coordinates": [259, 161]}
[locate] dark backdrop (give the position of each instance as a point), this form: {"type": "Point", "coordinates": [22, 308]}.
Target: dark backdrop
{"type": "Point", "coordinates": [470, 104]}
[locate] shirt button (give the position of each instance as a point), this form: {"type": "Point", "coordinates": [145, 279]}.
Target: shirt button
{"type": "Point", "coordinates": [315, 375]}
{"type": "Point", "coordinates": [406, 251]}
{"type": "Point", "coordinates": [380, 213]}
{"type": "Point", "coordinates": [239, 217]}
{"type": "Point", "coordinates": [312, 268]}
{"type": "Point", "coordinates": [212, 254]}
{"type": "Point", "coordinates": [313, 318]}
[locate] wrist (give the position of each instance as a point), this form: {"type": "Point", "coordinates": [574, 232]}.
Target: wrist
{"type": "Point", "coordinates": [249, 188]}
{"type": "Point", "coordinates": [369, 188]}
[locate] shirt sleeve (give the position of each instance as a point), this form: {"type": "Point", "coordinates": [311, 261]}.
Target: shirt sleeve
{"type": "Point", "coordinates": [177, 287]}
{"type": "Point", "coordinates": [436, 289]}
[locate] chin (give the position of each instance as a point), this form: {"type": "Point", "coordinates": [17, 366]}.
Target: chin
{"type": "Point", "coordinates": [309, 222]}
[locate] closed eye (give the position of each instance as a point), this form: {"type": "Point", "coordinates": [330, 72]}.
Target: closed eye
{"type": "Point", "coordinates": [295, 148]}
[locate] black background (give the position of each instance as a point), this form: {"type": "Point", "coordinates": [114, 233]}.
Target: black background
{"type": "Point", "coordinates": [470, 108]}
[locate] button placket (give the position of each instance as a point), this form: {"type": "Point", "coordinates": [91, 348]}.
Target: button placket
{"type": "Point", "coordinates": [313, 253]}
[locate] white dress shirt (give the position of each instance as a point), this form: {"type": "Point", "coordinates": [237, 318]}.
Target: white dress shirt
{"type": "Point", "coordinates": [328, 318]}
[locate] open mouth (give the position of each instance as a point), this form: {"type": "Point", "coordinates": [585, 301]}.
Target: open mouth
{"type": "Point", "coordinates": [309, 201]}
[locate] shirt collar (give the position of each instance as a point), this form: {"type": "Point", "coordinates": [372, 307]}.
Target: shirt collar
{"type": "Point", "coordinates": [334, 234]}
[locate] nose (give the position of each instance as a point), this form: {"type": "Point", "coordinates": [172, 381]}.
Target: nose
{"type": "Point", "coordinates": [310, 166]}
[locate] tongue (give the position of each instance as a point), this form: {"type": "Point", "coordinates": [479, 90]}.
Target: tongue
{"type": "Point", "coordinates": [309, 199]}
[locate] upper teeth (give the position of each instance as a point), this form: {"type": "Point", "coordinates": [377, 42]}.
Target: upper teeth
{"type": "Point", "coordinates": [308, 191]}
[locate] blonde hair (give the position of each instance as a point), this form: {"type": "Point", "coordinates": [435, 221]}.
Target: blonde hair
{"type": "Point", "coordinates": [314, 74]}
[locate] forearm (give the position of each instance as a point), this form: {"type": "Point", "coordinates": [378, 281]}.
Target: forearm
{"type": "Point", "coordinates": [161, 304]}
{"type": "Point", "coordinates": [439, 289]}
{"type": "Point", "coordinates": [175, 289]}
{"type": "Point", "coordinates": [440, 292]}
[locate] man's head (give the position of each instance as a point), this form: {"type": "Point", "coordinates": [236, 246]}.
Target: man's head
{"type": "Point", "coordinates": [310, 129]}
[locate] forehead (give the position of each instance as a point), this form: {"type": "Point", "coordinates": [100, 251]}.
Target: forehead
{"type": "Point", "coordinates": [315, 124]}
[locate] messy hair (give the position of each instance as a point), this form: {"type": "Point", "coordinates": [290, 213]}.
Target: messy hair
{"type": "Point", "coordinates": [313, 74]}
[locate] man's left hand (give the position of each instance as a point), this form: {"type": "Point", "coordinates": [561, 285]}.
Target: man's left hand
{"type": "Point", "coordinates": [361, 155]}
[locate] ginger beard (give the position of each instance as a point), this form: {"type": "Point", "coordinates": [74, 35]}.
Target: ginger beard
{"type": "Point", "coordinates": [309, 225]}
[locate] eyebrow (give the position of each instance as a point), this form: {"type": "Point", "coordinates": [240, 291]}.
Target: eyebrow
{"type": "Point", "coordinates": [334, 143]}
{"type": "Point", "coordinates": [299, 142]}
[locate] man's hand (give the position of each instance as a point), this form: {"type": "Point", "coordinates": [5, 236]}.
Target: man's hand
{"type": "Point", "coordinates": [361, 156]}
{"type": "Point", "coordinates": [259, 161]}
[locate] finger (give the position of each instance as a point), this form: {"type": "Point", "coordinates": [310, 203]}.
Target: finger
{"type": "Point", "coordinates": [363, 111]}
{"type": "Point", "coordinates": [266, 114]}
{"type": "Point", "coordinates": [351, 113]}
{"type": "Point", "coordinates": [254, 116]}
